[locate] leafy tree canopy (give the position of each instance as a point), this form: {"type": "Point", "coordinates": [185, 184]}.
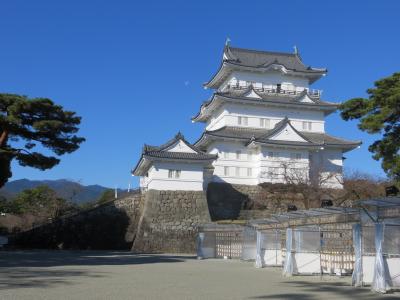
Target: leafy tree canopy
{"type": "Point", "coordinates": [25, 123]}
{"type": "Point", "coordinates": [107, 195]}
{"type": "Point", "coordinates": [380, 113]}
{"type": "Point", "coordinates": [41, 200]}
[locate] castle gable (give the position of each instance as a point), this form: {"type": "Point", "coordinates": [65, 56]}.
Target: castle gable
{"type": "Point", "coordinates": [287, 133]}
{"type": "Point", "coordinates": [180, 146]}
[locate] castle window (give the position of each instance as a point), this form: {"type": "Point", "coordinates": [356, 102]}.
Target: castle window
{"type": "Point", "coordinates": [264, 123]}
{"type": "Point", "coordinates": [226, 171]}
{"type": "Point", "coordinates": [245, 156]}
{"type": "Point", "coordinates": [238, 154]}
{"type": "Point", "coordinates": [243, 120]}
{"type": "Point", "coordinates": [249, 172]}
{"type": "Point", "coordinates": [307, 125]}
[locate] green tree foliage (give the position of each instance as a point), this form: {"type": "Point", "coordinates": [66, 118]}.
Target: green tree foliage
{"type": "Point", "coordinates": [40, 201]}
{"type": "Point", "coordinates": [5, 205]}
{"type": "Point", "coordinates": [24, 123]}
{"type": "Point", "coordinates": [380, 113]}
{"type": "Point", "coordinates": [107, 195]}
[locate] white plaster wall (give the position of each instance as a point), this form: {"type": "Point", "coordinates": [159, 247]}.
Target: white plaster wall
{"type": "Point", "coordinates": [259, 161]}
{"type": "Point", "coordinates": [144, 180]}
{"type": "Point", "coordinates": [267, 78]}
{"type": "Point", "coordinates": [272, 169]}
{"type": "Point", "coordinates": [217, 120]}
{"type": "Point", "coordinates": [255, 112]}
{"type": "Point", "coordinates": [287, 134]}
{"type": "Point", "coordinates": [180, 147]}
{"type": "Point", "coordinates": [227, 158]}
{"type": "Point", "coordinates": [191, 177]}
{"type": "Point", "coordinates": [329, 164]}
{"type": "Point", "coordinates": [267, 168]}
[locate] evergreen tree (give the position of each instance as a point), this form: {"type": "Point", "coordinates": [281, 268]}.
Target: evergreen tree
{"type": "Point", "coordinates": [380, 113]}
{"type": "Point", "coordinates": [24, 123]}
{"type": "Point", "coordinates": [106, 196]}
{"type": "Point", "coordinates": [40, 201]}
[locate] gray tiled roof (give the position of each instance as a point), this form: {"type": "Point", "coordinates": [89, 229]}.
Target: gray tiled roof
{"type": "Point", "coordinates": [277, 97]}
{"type": "Point", "coordinates": [255, 60]}
{"type": "Point", "coordinates": [159, 151]}
{"type": "Point", "coordinates": [248, 135]}
{"type": "Point", "coordinates": [179, 155]}
{"type": "Point", "coordinates": [268, 98]}
{"type": "Point", "coordinates": [258, 59]}
{"type": "Point", "coordinates": [150, 153]}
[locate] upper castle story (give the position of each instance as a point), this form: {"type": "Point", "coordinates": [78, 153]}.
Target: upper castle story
{"type": "Point", "coordinates": [277, 72]}
{"type": "Point", "coordinates": [258, 89]}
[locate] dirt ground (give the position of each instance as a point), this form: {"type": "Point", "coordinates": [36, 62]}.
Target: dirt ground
{"type": "Point", "coordinates": [123, 275]}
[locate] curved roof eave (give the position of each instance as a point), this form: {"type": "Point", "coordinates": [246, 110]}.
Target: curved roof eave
{"type": "Point", "coordinates": [268, 67]}
{"type": "Point", "coordinates": [320, 105]}
{"type": "Point", "coordinates": [135, 171]}
{"type": "Point", "coordinates": [327, 107]}
{"type": "Point", "coordinates": [227, 66]}
{"type": "Point", "coordinates": [217, 76]}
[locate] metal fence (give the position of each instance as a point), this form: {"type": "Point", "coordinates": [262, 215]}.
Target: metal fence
{"type": "Point", "coordinates": [249, 243]}
{"type": "Point", "coordinates": [271, 247]}
{"type": "Point", "coordinates": [220, 241]}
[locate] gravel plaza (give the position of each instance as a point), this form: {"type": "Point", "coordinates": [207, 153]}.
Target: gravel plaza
{"type": "Point", "coordinates": [125, 275]}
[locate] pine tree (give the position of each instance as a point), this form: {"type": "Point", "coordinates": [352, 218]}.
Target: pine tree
{"type": "Point", "coordinates": [380, 113]}
{"type": "Point", "coordinates": [25, 123]}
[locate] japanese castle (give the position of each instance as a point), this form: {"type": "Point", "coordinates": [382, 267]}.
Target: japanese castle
{"type": "Point", "coordinates": [263, 123]}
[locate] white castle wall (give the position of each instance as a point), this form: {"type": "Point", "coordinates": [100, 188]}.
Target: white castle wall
{"type": "Point", "coordinates": [327, 167]}
{"type": "Point", "coordinates": [264, 167]}
{"type": "Point", "coordinates": [267, 78]}
{"type": "Point", "coordinates": [229, 113]}
{"type": "Point", "coordinates": [190, 179]}
{"type": "Point", "coordinates": [237, 168]}
{"type": "Point", "coordinates": [274, 164]}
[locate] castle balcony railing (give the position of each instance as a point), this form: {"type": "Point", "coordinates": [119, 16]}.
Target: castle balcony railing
{"type": "Point", "coordinates": [276, 89]}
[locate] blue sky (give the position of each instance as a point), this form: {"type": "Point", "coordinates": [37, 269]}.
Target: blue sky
{"type": "Point", "coordinates": [134, 70]}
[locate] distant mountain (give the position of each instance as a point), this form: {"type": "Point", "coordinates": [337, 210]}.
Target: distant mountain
{"type": "Point", "coordinates": [66, 189]}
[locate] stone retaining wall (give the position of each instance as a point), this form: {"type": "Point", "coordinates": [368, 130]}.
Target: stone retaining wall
{"type": "Point", "coordinates": [169, 221]}
{"type": "Point", "coordinates": [234, 201]}
{"type": "Point", "coordinates": [108, 226]}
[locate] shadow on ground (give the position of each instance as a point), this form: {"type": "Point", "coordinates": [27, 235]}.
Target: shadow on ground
{"type": "Point", "coordinates": [82, 258]}
{"type": "Point", "coordinates": [48, 268]}
{"type": "Point", "coordinates": [311, 290]}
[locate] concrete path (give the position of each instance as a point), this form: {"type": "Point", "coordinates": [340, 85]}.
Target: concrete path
{"type": "Point", "coordinates": [59, 275]}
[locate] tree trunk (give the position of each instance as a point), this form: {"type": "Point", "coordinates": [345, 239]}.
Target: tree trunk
{"type": "Point", "coordinates": [3, 138]}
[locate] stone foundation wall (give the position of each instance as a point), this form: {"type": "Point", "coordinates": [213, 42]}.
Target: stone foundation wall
{"type": "Point", "coordinates": [169, 221]}
{"type": "Point", "coordinates": [225, 201]}
{"type": "Point", "coordinates": [163, 221]}
{"type": "Point", "coordinates": [108, 226]}
{"type": "Point", "coordinates": [233, 201]}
